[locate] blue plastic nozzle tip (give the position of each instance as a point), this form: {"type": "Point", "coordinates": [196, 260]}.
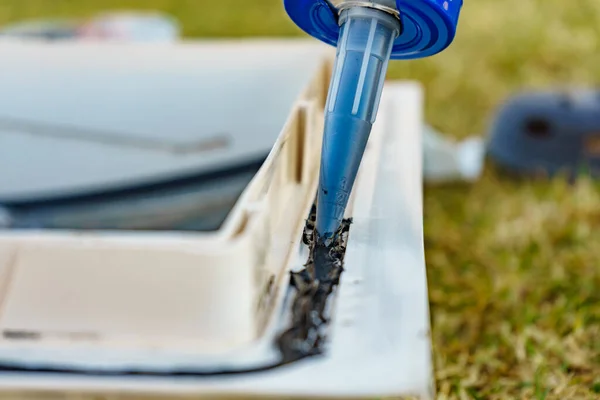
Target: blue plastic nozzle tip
{"type": "Point", "coordinates": [366, 39]}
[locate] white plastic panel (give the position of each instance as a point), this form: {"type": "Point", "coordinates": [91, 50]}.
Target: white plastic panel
{"type": "Point", "coordinates": [76, 117]}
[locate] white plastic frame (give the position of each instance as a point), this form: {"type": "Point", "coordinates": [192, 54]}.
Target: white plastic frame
{"type": "Point", "coordinates": [379, 343]}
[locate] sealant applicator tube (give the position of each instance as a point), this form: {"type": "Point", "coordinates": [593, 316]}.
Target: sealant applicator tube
{"type": "Point", "coordinates": [363, 53]}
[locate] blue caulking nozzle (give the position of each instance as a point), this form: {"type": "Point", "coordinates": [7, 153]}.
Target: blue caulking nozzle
{"type": "Point", "coordinates": [367, 35]}
{"type": "Point", "coordinates": [363, 53]}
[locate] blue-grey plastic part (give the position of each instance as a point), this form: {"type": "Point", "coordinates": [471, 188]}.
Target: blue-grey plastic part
{"type": "Point", "coordinates": [547, 132]}
{"type": "Point", "coordinates": [428, 26]}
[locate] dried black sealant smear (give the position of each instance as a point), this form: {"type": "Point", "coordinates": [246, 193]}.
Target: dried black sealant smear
{"type": "Point", "coordinates": [304, 338]}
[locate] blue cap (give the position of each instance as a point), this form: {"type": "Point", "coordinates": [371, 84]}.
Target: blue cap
{"type": "Point", "coordinates": [428, 26]}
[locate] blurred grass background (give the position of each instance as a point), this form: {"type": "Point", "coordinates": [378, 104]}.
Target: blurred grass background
{"type": "Point", "coordinates": [514, 267]}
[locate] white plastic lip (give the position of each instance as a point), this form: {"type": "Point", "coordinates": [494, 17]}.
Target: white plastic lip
{"type": "Point", "coordinates": [379, 343]}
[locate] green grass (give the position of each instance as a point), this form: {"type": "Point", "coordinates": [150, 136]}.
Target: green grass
{"type": "Point", "coordinates": [514, 267]}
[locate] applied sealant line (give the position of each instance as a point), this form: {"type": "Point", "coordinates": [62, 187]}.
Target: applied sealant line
{"type": "Point", "coordinates": [306, 335]}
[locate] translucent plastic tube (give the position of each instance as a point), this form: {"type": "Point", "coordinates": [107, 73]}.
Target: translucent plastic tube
{"type": "Point", "coordinates": [363, 54]}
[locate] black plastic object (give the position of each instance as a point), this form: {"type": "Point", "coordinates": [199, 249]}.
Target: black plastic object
{"type": "Point", "coordinates": [547, 133]}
